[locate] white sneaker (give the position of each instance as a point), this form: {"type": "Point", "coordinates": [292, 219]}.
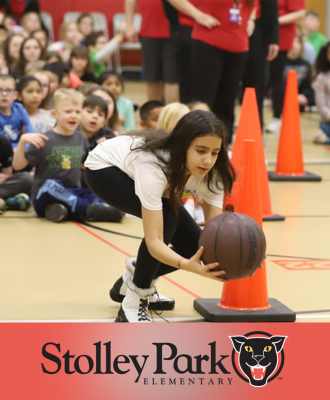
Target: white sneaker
{"type": "Point", "coordinates": [267, 103]}
{"type": "Point", "coordinates": [274, 126]}
{"type": "Point", "coordinates": [199, 215]}
{"type": "Point", "coordinates": [320, 137]}
{"type": "Point", "coordinates": [119, 290]}
{"type": "Point", "coordinates": [134, 307]}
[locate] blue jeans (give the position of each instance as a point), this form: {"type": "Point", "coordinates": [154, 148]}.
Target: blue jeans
{"type": "Point", "coordinates": [325, 126]}
{"type": "Point", "coordinates": [53, 191]}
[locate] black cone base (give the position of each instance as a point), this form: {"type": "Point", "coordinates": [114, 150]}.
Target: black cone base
{"type": "Point", "coordinates": [308, 177]}
{"type": "Point", "coordinates": [274, 217]}
{"type": "Point", "coordinates": [278, 312]}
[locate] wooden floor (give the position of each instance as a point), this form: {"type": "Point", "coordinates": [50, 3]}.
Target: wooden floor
{"type": "Point", "coordinates": [64, 271]}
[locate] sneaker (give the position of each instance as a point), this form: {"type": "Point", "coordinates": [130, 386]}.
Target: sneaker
{"type": "Point", "coordinates": [56, 212]}
{"type": "Point", "coordinates": [103, 212]}
{"type": "Point", "coordinates": [118, 291]}
{"type": "Point", "coordinates": [199, 215]}
{"type": "Point", "coordinates": [320, 137]}
{"type": "Point", "coordinates": [20, 202]}
{"type": "Point", "coordinates": [274, 126]}
{"type": "Point", "coordinates": [134, 307]}
{"type": "Point", "coordinates": [267, 102]}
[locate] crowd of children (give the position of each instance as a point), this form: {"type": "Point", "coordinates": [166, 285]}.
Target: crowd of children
{"type": "Point", "coordinates": [33, 74]}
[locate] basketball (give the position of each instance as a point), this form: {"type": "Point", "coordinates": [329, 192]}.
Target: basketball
{"type": "Point", "coordinates": [236, 242]}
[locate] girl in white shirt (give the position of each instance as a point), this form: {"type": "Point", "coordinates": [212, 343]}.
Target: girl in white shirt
{"type": "Point", "coordinates": [145, 174]}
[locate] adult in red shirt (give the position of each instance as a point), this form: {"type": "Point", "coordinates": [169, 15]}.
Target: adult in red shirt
{"type": "Point", "coordinates": [182, 24]}
{"type": "Point", "coordinates": [220, 53]}
{"type": "Point", "coordinates": [289, 11]}
{"type": "Point", "coordinates": [158, 50]}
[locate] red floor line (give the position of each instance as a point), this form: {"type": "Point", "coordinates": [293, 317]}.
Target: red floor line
{"type": "Point", "coordinates": [103, 240]}
{"type": "Point", "coordinates": [129, 255]}
{"type": "Point", "coordinates": [181, 287]}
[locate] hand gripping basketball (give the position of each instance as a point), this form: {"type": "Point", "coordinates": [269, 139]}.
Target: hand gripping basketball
{"type": "Point", "coordinates": [194, 265]}
{"type": "Point", "coordinates": [236, 241]}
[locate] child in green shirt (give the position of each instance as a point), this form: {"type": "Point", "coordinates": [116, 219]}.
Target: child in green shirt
{"type": "Point", "coordinates": [311, 25]}
{"type": "Point", "coordinates": [100, 50]}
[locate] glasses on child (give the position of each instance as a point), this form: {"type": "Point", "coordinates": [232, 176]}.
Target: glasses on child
{"type": "Point", "coordinates": [7, 91]}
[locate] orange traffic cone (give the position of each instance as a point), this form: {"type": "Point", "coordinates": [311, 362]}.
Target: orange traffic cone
{"type": "Point", "coordinates": [290, 166]}
{"type": "Point", "coordinates": [246, 300]}
{"type": "Point", "coordinates": [248, 293]}
{"type": "Point", "coordinates": [249, 128]}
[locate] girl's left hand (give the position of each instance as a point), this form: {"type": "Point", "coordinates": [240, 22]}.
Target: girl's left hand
{"type": "Point", "coordinates": [103, 139]}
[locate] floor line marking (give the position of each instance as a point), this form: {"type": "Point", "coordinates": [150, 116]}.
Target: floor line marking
{"type": "Point", "coordinates": [102, 240]}
{"type": "Point", "coordinates": [129, 255]}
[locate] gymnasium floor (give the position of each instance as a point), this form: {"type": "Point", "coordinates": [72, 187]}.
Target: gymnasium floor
{"type": "Point", "coordinates": [63, 272]}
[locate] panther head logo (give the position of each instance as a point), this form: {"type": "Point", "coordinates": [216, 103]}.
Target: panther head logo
{"type": "Point", "coordinates": [258, 356]}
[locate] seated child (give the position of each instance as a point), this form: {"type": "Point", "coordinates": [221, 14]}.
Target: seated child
{"type": "Point", "coordinates": [86, 24]}
{"type": "Point", "coordinates": [80, 64]}
{"type": "Point", "coordinates": [100, 50]}
{"type": "Point", "coordinates": [57, 155]}
{"type": "Point", "coordinates": [295, 62]}
{"type": "Point", "coordinates": [115, 84]}
{"type": "Point", "coordinates": [170, 115]}
{"type": "Point", "coordinates": [43, 37]}
{"type": "Point", "coordinates": [30, 95]}
{"type": "Point", "coordinates": [311, 25]}
{"type": "Point", "coordinates": [30, 22]}
{"type": "Point", "coordinates": [69, 33]}
{"type": "Point", "coordinates": [93, 119]}
{"type": "Point", "coordinates": [199, 105]}
{"type": "Point", "coordinates": [14, 188]}
{"type": "Point", "coordinates": [149, 113]}
{"type": "Point", "coordinates": [107, 96]}
{"type": "Point", "coordinates": [14, 119]}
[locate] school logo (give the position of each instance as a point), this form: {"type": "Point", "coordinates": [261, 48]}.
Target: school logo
{"type": "Point", "coordinates": [258, 357]}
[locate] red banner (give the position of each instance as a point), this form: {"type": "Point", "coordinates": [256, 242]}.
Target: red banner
{"type": "Point", "coordinates": [163, 361]}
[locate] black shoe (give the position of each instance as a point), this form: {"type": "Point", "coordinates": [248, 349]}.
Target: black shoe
{"type": "Point", "coordinates": [105, 213]}
{"type": "Point", "coordinates": [56, 212]}
{"type": "Point", "coordinates": [121, 317]}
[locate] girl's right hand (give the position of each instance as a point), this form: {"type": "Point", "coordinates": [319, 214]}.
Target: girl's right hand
{"type": "Point", "coordinates": [194, 265]}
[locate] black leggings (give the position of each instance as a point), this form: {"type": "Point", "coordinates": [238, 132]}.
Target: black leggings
{"type": "Point", "coordinates": [216, 75]}
{"type": "Point", "coordinates": [116, 188]}
{"type": "Point", "coordinates": [277, 82]}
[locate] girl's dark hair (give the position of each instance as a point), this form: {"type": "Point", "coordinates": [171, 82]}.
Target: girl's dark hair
{"type": "Point", "coordinates": [322, 63]}
{"type": "Point", "coordinates": [23, 82]}
{"type": "Point", "coordinates": [81, 52]}
{"type": "Point", "coordinates": [192, 125]}
{"type": "Point", "coordinates": [114, 120]}
{"type": "Point", "coordinates": [6, 44]}
{"type": "Point", "coordinates": [19, 69]}
{"type": "Point", "coordinates": [106, 74]}
{"type": "Point", "coordinates": [96, 101]}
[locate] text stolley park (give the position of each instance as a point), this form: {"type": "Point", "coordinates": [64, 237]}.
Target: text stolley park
{"type": "Point", "coordinates": [208, 364]}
